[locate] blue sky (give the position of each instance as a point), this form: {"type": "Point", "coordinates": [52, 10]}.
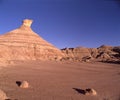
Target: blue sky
{"type": "Point", "coordinates": [66, 23]}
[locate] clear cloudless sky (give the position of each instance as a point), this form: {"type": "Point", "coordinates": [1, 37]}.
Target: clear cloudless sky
{"type": "Point", "coordinates": [66, 23]}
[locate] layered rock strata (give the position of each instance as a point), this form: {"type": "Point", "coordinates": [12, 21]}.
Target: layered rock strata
{"type": "Point", "coordinates": [103, 53]}
{"type": "Point", "coordinates": [24, 44]}
{"type": "Point", "coordinates": [75, 54]}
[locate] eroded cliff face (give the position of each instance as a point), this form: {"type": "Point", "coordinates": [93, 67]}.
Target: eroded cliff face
{"type": "Point", "coordinates": [76, 54]}
{"type": "Point", "coordinates": [24, 44]}
{"type": "Point", "coordinates": [103, 53]}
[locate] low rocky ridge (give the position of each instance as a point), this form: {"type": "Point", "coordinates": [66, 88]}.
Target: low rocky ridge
{"type": "Point", "coordinates": [103, 53]}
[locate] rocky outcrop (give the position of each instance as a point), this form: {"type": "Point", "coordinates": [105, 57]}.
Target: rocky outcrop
{"type": "Point", "coordinates": [103, 53]}
{"type": "Point", "coordinates": [76, 54]}
{"type": "Point", "coordinates": [24, 44]}
{"type": "Point", "coordinates": [108, 53]}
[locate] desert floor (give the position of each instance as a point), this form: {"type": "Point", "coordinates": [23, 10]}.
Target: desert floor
{"type": "Point", "coordinates": [60, 80]}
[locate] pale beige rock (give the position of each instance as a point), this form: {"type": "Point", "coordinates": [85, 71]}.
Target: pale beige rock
{"type": "Point", "coordinates": [104, 56]}
{"type": "Point", "coordinates": [93, 52]}
{"type": "Point", "coordinates": [3, 95]}
{"type": "Point", "coordinates": [27, 22]}
{"type": "Point", "coordinates": [90, 91]}
{"type": "Point", "coordinates": [24, 84]}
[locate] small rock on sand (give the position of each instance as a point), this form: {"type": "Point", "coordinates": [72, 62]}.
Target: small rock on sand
{"type": "Point", "coordinates": [90, 91]}
{"type": "Point", "coordinates": [24, 84]}
{"type": "Point", "coordinates": [3, 95]}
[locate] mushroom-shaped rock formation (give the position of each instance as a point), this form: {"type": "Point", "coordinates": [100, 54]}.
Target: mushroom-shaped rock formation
{"type": "Point", "coordinates": [24, 44]}
{"type": "Point", "coordinates": [27, 22]}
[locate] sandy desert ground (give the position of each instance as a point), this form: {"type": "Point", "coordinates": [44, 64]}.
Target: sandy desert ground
{"type": "Point", "coordinates": [61, 80]}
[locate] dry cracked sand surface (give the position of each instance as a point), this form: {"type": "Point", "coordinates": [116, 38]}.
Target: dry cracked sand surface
{"type": "Point", "coordinates": [60, 81]}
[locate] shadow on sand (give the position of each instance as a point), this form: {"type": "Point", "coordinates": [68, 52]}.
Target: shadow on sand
{"type": "Point", "coordinates": [111, 62]}
{"type": "Point", "coordinates": [81, 91]}
{"type": "Point", "coordinates": [18, 83]}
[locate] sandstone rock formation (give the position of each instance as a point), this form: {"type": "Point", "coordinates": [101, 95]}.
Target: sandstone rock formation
{"type": "Point", "coordinates": [108, 53]}
{"type": "Point", "coordinates": [76, 54]}
{"type": "Point", "coordinates": [103, 53]}
{"type": "Point", "coordinates": [24, 44]}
